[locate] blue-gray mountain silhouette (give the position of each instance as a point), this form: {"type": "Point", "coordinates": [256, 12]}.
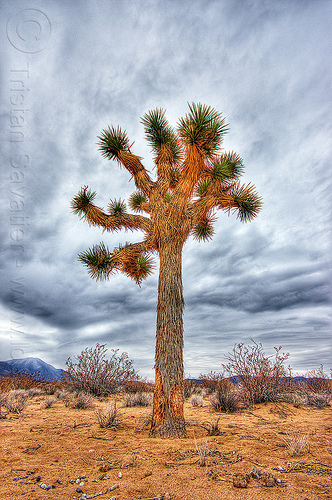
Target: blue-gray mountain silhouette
{"type": "Point", "coordinates": [32, 366]}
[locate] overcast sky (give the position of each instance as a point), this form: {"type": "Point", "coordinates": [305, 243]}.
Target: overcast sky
{"type": "Point", "coordinates": [70, 69]}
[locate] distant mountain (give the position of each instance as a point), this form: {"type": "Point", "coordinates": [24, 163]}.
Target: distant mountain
{"type": "Point", "coordinates": [30, 365]}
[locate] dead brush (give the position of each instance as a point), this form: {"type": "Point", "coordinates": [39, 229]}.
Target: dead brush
{"type": "Point", "coordinates": [15, 401]}
{"type": "Point", "coordinates": [226, 399]}
{"type": "Point", "coordinates": [212, 428]}
{"type": "Point", "coordinates": [196, 400]}
{"type": "Point", "coordinates": [109, 418]}
{"type": "Point", "coordinates": [82, 402]}
{"type": "Point", "coordinates": [297, 444]}
{"type": "Point", "coordinates": [203, 450]}
{"type": "Point", "coordinates": [137, 399]}
{"type": "Point", "coordinates": [48, 402]}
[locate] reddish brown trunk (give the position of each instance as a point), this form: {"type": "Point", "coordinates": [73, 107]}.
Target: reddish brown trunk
{"type": "Point", "coordinates": [168, 418]}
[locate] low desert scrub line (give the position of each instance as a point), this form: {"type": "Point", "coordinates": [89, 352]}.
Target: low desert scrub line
{"type": "Point", "coordinates": [297, 444]}
{"type": "Point", "coordinates": [226, 399]}
{"type": "Point", "coordinates": [196, 400]}
{"type": "Point", "coordinates": [138, 399]}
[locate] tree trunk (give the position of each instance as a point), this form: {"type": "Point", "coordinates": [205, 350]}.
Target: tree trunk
{"type": "Point", "coordinates": [168, 418]}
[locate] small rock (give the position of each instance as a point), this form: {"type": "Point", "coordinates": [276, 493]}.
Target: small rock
{"type": "Point", "coordinates": [112, 498]}
{"type": "Point", "coordinates": [71, 481]}
{"type": "Point", "coordinates": [38, 478]}
{"type": "Point", "coordinates": [77, 481]}
{"type": "Point", "coordinates": [43, 486]}
{"type": "Point", "coordinates": [59, 481]}
{"type": "Point", "coordinates": [81, 484]}
{"type": "Point", "coordinates": [120, 475]}
{"type": "Point", "coordinates": [241, 480]}
{"type": "Point", "coordinates": [78, 490]}
{"type": "Point", "coordinates": [113, 487]}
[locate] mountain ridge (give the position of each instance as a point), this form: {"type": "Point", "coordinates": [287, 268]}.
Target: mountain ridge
{"type": "Point", "coordinates": [33, 366]}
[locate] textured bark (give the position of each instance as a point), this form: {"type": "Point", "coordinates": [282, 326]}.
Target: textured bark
{"type": "Point", "coordinates": [168, 418]}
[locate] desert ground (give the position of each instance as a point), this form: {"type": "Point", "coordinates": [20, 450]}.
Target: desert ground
{"type": "Point", "coordinates": [65, 449]}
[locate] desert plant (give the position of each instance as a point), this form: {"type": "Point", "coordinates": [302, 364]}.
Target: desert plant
{"type": "Point", "coordinates": [317, 381]}
{"type": "Point", "coordinates": [211, 381]}
{"type": "Point", "coordinates": [16, 401]}
{"type": "Point", "coordinates": [263, 378]}
{"type": "Point", "coordinates": [20, 380]}
{"type": "Point", "coordinates": [94, 374]}
{"type": "Point", "coordinates": [203, 450]}
{"type": "Point", "coordinates": [226, 399]}
{"type": "Point", "coordinates": [82, 402]}
{"type": "Point", "coordinates": [138, 399]}
{"type": "Point", "coordinates": [212, 428]}
{"type": "Point", "coordinates": [196, 400]}
{"type": "Point", "coordinates": [297, 444]}
{"type": "Point", "coordinates": [194, 179]}
{"type": "Point", "coordinates": [48, 402]}
{"type": "Point", "coordinates": [319, 400]}
{"type": "Point", "coordinates": [109, 418]}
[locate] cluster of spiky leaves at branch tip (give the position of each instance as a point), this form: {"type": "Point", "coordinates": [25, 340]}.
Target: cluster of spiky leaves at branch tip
{"type": "Point", "coordinates": [195, 178]}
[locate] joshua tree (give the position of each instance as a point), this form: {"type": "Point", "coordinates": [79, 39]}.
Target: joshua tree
{"type": "Point", "coordinates": [194, 178]}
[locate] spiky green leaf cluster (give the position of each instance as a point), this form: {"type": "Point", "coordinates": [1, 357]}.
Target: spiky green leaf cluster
{"type": "Point", "coordinates": [117, 207]}
{"type": "Point", "coordinates": [203, 231]}
{"type": "Point", "coordinates": [98, 260]}
{"type": "Point", "coordinates": [82, 200]}
{"type": "Point", "coordinates": [136, 200]}
{"type": "Point", "coordinates": [228, 166]}
{"type": "Point", "coordinates": [202, 187]}
{"type": "Point", "coordinates": [247, 202]}
{"type": "Point", "coordinates": [112, 141]}
{"type": "Point", "coordinates": [139, 268]}
{"type": "Point", "coordinates": [160, 134]}
{"type": "Point", "coordinates": [203, 127]}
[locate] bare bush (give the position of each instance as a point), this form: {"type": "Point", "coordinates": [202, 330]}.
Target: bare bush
{"type": "Point", "coordinates": [82, 402]}
{"type": "Point", "coordinates": [138, 399]}
{"type": "Point", "coordinates": [197, 400]}
{"type": "Point", "coordinates": [226, 399]}
{"type": "Point", "coordinates": [212, 428]}
{"type": "Point", "coordinates": [211, 381]}
{"type": "Point", "coordinates": [95, 374]}
{"type": "Point", "coordinates": [110, 418]}
{"type": "Point", "coordinates": [317, 381]}
{"type": "Point", "coordinates": [263, 378]}
{"type": "Point", "coordinates": [203, 450]}
{"type": "Point", "coordinates": [16, 401]}
{"type": "Point", "coordinates": [48, 402]}
{"type": "Point", "coordinates": [318, 400]}
{"type": "Point", "coordinates": [297, 444]}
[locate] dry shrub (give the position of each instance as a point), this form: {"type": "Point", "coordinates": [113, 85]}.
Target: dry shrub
{"type": "Point", "coordinates": [227, 398]}
{"type": "Point", "coordinates": [48, 402]}
{"type": "Point", "coordinates": [133, 386]}
{"type": "Point", "coordinates": [196, 400]}
{"type": "Point", "coordinates": [138, 399]}
{"type": "Point", "coordinates": [15, 401]}
{"type": "Point", "coordinates": [110, 418]}
{"type": "Point", "coordinates": [211, 381]}
{"type": "Point", "coordinates": [212, 428]}
{"type": "Point", "coordinates": [297, 445]}
{"type": "Point", "coordinates": [318, 382]}
{"type": "Point", "coordinates": [20, 380]}
{"type": "Point", "coordinates": [82, 402]}
{"type": "Point", "coordinates": [203, 450]}
{"type": "Point", "coordinates": [189, 388]}
{"type": "Point", "coordinates": [95, 374]}
{"type": "Point", "coordinates": [318, 400]}
{"type": "Point", "coordinates": [263, 378]}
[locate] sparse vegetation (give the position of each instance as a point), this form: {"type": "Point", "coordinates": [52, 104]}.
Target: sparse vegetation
{"type": "Point", "coordinates": [15, 401]}
{"type": "Point", "coordinates": [82, 402]}
{"type": "Point", "coordinates": [109, 418]}
{"type": "Point", "coordinates": [227, 398]}
{"type": "Point", "coordinates": [196, 400]}
{"type": "Point", "coordinates": [94, 374]}
{"type": "Point", "coordinates": [48, 402]}
{"type": "Point", "coordinates": [297, 444]}
{"type": "Point", "coordinates": [138, 399]}
{"type": "Point", "coordinates": [263, 378]}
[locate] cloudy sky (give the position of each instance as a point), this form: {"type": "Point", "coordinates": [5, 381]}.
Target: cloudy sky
{"type": "Point", "coordinates": [70, 69]}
